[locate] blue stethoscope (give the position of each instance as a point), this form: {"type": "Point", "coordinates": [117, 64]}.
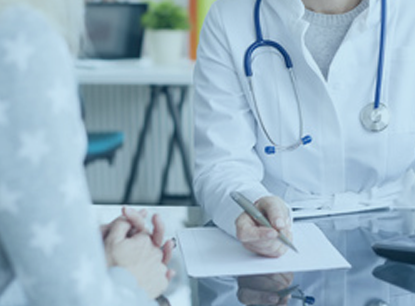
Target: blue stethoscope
{"type": "Point", "coordinates": [374, 116]}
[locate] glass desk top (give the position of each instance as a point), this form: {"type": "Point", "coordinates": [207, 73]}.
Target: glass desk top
{"type": "Point", "coordinates": [372, 280]}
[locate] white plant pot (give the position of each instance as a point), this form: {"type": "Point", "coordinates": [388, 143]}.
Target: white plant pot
{"type": "Point", "coordinates": [166, 47]}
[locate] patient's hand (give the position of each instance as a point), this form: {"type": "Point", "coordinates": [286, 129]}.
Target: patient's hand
{"type": "Point", "coordinates": [138, 254]}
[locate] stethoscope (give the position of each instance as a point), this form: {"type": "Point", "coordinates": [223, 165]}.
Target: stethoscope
{"type": "Point", "coordinates": [374, 116]}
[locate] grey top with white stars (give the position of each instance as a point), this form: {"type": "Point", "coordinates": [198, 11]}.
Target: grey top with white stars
{"type": "Point", "coordinates": [51, 251]}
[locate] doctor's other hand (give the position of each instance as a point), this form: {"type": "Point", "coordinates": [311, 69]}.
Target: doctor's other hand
{"type": "Point", "coordinates": [264, 289]}
{"type": "Point", "coordinates": [260, 239]}
{"type": "Point", "coordinates": [139, 255]}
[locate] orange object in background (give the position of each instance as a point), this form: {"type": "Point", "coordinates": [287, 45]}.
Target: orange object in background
{"type": "Point", "coordinates": [197, 13]}
{"type": "Point", "coordinates": [193, 40]}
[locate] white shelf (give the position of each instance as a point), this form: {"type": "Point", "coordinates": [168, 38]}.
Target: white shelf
{"type": "Point", "coordinates": [133, 72]}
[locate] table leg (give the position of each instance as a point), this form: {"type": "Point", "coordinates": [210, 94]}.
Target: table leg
{"type": "Point", "coordinates": [155, 90]}
{"type": "Point", "coordinates": [176, 138]}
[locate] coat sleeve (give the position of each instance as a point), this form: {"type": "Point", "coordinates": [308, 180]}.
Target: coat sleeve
{"type": "Point", "coordinates": [225, 128]}
{"type": "Point", "coordinates": [47, 226]}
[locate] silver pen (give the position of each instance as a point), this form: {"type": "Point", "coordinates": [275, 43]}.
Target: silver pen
{"type": "Point", "coordinates": [255, 214]}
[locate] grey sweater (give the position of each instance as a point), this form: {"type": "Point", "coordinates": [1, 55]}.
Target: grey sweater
{"type": "Point", "coordinates": [50, 246]}
{"type": "Point", "coordinates": [326, 33]}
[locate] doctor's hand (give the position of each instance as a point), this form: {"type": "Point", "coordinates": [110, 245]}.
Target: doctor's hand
{"type": "Point", "coordinates": [263, 240]}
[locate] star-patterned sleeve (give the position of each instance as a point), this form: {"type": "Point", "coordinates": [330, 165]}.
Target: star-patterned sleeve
{"type": "Point", "coordinates": [49, 241]}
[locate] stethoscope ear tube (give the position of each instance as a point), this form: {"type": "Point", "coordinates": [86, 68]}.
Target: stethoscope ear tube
{"type": "Point", "coordinates": [374, 116]}
{"type": "Point", "coordinates": [260, 42]}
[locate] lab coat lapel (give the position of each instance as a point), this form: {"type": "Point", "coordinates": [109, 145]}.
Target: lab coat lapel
{"type": "Point", "coordinates": [283, 23]}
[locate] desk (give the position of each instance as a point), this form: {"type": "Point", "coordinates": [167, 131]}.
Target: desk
{"type": "Point", "coordinates": [352, 235]}
{"type": "Point", "coordinates": [163, 81]}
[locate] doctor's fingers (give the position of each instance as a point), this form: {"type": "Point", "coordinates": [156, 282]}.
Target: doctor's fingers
{"type": "Point", "coordinates": [271, 248]}
{"type": "Point", "coordinates": [247, 230]}
{"type": "Point", "coordinates": [276, 211]}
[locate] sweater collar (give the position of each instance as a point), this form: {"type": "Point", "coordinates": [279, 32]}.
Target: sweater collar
{"type": "Point", "coordinates": [292, 11]}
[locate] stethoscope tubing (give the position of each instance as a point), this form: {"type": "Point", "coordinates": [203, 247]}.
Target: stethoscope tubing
{"type": "Point", "coordinates": [381, 58]}
{"type": "Point", "coordinates": [260, 42]}
{"type": "Point", "coordinates": [374, 119]}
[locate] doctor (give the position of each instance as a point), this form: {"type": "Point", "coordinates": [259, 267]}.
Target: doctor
{"type": "Point", "coordinates": [303, 104]}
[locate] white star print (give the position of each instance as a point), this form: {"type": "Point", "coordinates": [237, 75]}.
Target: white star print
{"type": "Point", "coordinates": [72, 190]}
{"type": "Point", "coordinates": [3, 109]}
{"type": "Point", "coordinates": [60, 96]}
{"type": "Point", "coordinates": [33, 147]}
{"type": "Point", "coordinates": [8, 200]}
{"type": "Point", "coordinates": [18, 52]}
{"type": "Point", "coordinates": [46, 238]}
{"type": "Point", "coordinates": [84, 275]}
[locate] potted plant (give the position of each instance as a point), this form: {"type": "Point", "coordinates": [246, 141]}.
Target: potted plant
{"type": "Point", "coordinates": [166, 25]}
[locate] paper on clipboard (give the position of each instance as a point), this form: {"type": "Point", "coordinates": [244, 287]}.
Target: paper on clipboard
{"type": "Point", "coordinates": [211, 252]}
{"type": "Point", "coordinates": [322, 212]}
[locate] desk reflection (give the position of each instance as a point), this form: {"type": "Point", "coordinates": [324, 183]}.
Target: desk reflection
{"type": "Point", "coordinates": [353, 236]}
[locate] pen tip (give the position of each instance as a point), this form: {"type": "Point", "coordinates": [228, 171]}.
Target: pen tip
{"type": "Point", "coordinates": [288, 243]}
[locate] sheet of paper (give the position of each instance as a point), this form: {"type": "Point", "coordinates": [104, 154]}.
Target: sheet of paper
{"type": "Point", "coordinates": [311, 213]}
{"type": "Point", "coordinates": [211, 252]}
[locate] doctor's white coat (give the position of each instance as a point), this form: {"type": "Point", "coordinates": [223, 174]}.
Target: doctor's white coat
{"type": "Point", "coordinates": [344, 164]}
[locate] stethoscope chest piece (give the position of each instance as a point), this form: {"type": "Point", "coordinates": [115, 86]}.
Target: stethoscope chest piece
{"type": "Point", "coordinates": [375, 119]}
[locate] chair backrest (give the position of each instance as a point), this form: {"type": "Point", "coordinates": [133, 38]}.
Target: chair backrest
{"type": "Point", "coordinates": [114, 30]}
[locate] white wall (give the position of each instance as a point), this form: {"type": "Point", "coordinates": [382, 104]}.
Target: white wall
{"type": "Point", "coordinates": [122, 108]}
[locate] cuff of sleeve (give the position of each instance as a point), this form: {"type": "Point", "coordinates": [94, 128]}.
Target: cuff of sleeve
{"type": "Point", "coordinates": [255, 194]}
{"type": "Point", "coordinates": [226, 220]}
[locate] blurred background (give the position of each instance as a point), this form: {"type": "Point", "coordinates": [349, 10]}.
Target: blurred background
{"type": "Point", "coordinates": [138, 56]}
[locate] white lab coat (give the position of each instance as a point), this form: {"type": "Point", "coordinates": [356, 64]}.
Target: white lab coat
{"type": "Point", "coordinates": [344, 164]}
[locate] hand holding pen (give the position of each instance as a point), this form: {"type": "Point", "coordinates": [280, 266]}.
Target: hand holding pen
{"type": "Point", "coordinates": [273, 237]}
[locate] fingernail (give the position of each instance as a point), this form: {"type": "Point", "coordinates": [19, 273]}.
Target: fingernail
{"type": "Point", "coordinates": [280, 223]}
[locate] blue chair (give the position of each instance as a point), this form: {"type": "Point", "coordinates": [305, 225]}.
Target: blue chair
{"type": "Point", "coordinates": [103, 145]}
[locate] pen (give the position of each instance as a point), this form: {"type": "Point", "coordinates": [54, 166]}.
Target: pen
{"type": "Point", "coordinates": [252, 211]}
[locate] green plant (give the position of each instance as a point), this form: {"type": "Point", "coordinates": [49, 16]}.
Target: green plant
{"type": "Point", "coordinates": [165, 15]}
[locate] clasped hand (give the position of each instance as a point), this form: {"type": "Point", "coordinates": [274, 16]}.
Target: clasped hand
{"type": "Point", "coordinates": [130, 245]}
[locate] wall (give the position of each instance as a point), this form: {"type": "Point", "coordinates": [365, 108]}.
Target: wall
{"type": "Point", "coordinates": [122, 108]}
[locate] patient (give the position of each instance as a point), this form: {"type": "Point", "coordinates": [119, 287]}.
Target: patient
{"type": "Point", "coordinates": [49, 242]}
